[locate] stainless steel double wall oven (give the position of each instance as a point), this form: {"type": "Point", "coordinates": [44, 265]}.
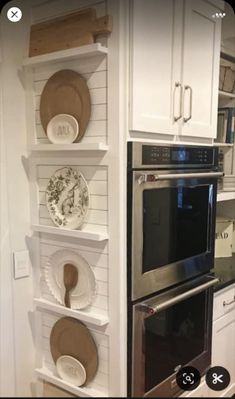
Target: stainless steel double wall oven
{"type": "Point", "coordinates": [171, 228]}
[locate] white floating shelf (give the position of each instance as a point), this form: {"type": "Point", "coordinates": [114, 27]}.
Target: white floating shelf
{"type": "Point", "coordinates": [89, 50]}
{"type": "Point", "coordinates": [86, 392]}
{"type": "Point", "coordinates": [70, 147]}
{"type": "Point", "coordinates": [84, 234]}
{"type": "Point", "coordinates": [96, 318]}
{"type": "Point", "coordinates": [226, 94]}
{"type": "Point", "coordinates": [226, 196]}
{"type": "Point", "coordinates": [223, 144]}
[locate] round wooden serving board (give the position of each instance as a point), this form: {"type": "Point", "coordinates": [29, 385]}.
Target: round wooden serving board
{"type": "Point", "coordinates": [66, 92]}
{"type": "Point", "coordinates": [71, 337]}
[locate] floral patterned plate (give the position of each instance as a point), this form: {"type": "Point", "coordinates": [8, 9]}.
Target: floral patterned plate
{"type": "Point", "coordinates": [67, 198]}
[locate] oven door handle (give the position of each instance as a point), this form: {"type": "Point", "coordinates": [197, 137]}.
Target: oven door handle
{"type": "Point", "coordinates": [154, 308]}
{"type": "Point", "coordinates": [144, 178]}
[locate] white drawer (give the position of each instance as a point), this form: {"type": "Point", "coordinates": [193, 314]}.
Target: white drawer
{"type": "Point", "coordinates": [224, 301]}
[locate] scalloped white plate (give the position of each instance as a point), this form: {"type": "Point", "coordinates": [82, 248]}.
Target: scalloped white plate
{"type": "Point", "coordinates": [71, 370]}
{"type": "Point", "coordinates": [62, 129]}
{"type": "Point", "coordinates": [84, 292]}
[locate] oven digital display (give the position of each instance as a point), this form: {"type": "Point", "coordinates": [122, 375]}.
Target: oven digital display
{"type": "Point", "coordinates": [180, 155]}
{"type": "Point", "coordinates": [166, 155]}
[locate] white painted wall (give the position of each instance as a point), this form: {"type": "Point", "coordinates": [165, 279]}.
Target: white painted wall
{"type": "Point", "coordinates": [7, 380]}
{"type": "Point", "coordinates": [17, 347]}
{"type": "Point", "coordinates": [15, 47]}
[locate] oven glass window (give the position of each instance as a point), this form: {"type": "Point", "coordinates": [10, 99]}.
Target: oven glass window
{"type": "Point", "coordinates": [174, 337]}
{"type": "Point", "coordinates": [175, 224]}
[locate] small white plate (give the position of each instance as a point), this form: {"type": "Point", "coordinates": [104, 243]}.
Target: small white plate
{"type": "Point", "coordinates": [71, 370]}
{"type": "Point", "coordinates": [62, 129]}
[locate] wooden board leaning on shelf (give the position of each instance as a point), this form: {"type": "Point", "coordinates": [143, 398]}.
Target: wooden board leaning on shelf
{"type": "Point", "coordinates": [72, 30]}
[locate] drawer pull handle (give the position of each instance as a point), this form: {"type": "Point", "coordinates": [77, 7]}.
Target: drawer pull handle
{"type": "Point", "coordinates": [229, 303]}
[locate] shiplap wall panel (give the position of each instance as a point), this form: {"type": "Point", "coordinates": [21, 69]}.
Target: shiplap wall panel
{"type": "Point", "coordinates": [95, 187]}
{"type": "Point", "coordinates": [92, 173]}
{"type": "Point", "coordinates": [93, 258]}
{"type": "Point", "coordinates": [97, 246]}
{"type": "Point", "coordinates": [101, 274]}
{"type": "Point", "coordinates": [94, 70]}
{"type": "Point", "coordinates": [100, 302]}
{"type": "Point", "coordinates": [95, 74]}
{"type": "Point", "coordinates": [94, 80]}
{"type": "Point", "coordinates": [101, 288]}
{"type": "Point", "coordinates": [95, 133]}
{"type": "Point", "coordinates": [96, 201]}
{"type": "Point", "coordinates": [98, 113]}
{"type": "Point", "coordinates": [98, 262]}
{"type": "Point", "coordinates": [83, 66]}
{"type": "Point", "coordinates": [96, 177]}
{"type": "Point", "coordinates": [97, 217]}
{"type": "Point", "coordinates": [100, 380]}
{"type": "Point", "coordinates": [98, 97]}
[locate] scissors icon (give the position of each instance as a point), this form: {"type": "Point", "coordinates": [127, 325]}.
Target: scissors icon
{"type": "Point", "coordinates": [217, 378]}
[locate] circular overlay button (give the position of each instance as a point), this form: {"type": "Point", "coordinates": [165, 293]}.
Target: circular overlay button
{"type": "Point", "coordinates": [188, 378]}
{"type": "Point", "coordinates": [14, 14]}
{"type": "Point", "coordinates": [217, 378]}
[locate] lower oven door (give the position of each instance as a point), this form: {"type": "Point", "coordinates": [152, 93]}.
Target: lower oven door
{"type": "Point", "coordinates": [173, 228]}
{"type": "Point", "coordinates": [170, 331]}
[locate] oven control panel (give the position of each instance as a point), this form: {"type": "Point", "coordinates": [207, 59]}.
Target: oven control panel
{"type": "Point", "coordinates": [178, 156]}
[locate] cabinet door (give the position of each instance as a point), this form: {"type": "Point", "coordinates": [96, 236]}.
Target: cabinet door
{"type": "Point", "coordinates": [155, 51]}
{"type": "Point", "coordinates": [201, 53]}
{"type": "Point", "coordinates": [223, 347]}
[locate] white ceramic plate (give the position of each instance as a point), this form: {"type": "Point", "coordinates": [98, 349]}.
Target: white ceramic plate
{"type": "Point", "coordinates": [62, 129]}
{"type": "Point", "coordinates": [71, 370]}
{"type": "Point", "coordinates": [84, 292]}
{"type": "Point", "coordinates": [67, 198]}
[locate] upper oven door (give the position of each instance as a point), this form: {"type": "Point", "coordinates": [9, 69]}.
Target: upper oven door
{"type": "Point", "coordinates": [173, 222]}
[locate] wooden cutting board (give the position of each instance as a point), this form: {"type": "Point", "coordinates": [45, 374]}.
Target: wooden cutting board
{"type": "Point", "coordinates": [66, 92]}
{"type": "Point", "coordinates": [72, 30]}
{"type": "Point", "coordinates": [71, 337]}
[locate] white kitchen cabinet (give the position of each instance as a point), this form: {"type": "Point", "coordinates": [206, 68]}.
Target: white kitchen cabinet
{"type": "Point", "coordinates": [201, 57]}
{"type": "Point", "coordinates": [174, 71]}
{"type": "Point", "coordinates": [155, 65]}
{"type": "Point", "coordinates": [223, 336]}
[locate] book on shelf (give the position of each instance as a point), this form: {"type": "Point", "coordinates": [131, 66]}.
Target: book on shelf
{"type": "Point", "coordinates": [226, 125]}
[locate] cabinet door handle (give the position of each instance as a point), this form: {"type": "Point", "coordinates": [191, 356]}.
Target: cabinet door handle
{"type": "Point", "coordinates": [229, 303]}
{"type": "Point", "coordinates": [187, 87]}
{"type": "Point", "coordinates": [178, 84]}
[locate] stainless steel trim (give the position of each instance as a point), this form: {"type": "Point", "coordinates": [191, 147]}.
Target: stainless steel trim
{"type": "Point", "coordinates": [152, 178]}
{"type": "Point", "coordinates": [229, 303]}
{"type": "Point", "coordinates": [178, 84]}
{"type": "Point", "coordinates": [164, 305]}
{"type": "Point", "coordinates": [187, 87]}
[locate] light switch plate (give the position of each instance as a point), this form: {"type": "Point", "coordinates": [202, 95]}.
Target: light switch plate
{"type": "Point", "coordinates": [21, 264]}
